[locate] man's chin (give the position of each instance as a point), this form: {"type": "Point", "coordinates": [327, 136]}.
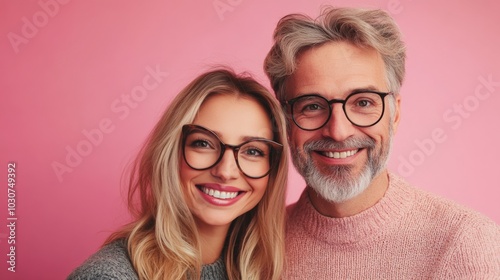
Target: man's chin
{"type": "Point", "coordinates": [339, 183]}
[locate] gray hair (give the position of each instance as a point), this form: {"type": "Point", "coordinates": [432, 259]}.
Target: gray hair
{"type": "Point", "coordinates": [364, 28]}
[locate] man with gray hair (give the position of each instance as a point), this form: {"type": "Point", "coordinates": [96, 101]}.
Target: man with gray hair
{"type": "Point", "coordinates": [339, 78]}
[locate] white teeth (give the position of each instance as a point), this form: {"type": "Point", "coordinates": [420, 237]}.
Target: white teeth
{"type": "Point", "coordinates": [340, 154]}
{"type": "Point", "coordinates": [219, 194]}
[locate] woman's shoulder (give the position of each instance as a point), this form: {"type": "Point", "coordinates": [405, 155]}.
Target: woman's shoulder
{"type": "Point", "coordinates": [110, 262]}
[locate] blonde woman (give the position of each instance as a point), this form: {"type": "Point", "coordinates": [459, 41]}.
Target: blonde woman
{"type": "Point", "coordinates": [207, 190]}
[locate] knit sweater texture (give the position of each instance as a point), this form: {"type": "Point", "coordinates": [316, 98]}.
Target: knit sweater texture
{"type": "Point", "coordinates": [408, 234]}
{"type": "Point", "coordinates": [112, 262]}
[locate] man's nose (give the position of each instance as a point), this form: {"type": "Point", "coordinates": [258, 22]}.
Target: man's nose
{"type": "Point", "coordinates": [338, 126]}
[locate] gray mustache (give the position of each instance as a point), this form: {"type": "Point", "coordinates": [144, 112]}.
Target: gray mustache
{"type": "Point", "coordinates": [329, 144]}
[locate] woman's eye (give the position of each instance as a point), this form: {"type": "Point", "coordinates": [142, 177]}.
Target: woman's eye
{"type": "Point", "coordinates": [200, 144]}
{"type": "Point", "coordinates": [254, 152]}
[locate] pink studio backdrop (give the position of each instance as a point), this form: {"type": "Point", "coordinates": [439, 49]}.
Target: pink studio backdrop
{"type": "Point", "coordinates": [83, 82]}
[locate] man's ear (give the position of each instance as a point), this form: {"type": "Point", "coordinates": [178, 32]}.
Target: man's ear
{"type": "Point", "coordinates": [397, 113]}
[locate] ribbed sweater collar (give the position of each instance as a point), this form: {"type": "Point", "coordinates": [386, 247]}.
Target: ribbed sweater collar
{"type": "Point", "coordinates": [216, 270]}
{"type": "Point", "coordinates": [396, 201]}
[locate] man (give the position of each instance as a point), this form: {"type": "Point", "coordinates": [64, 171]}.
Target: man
{"type": "Point", "coordinates": [339, 78]}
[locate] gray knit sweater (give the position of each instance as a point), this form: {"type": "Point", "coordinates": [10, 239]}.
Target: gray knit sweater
{"type": "Point", "coordinates": [112, 262]}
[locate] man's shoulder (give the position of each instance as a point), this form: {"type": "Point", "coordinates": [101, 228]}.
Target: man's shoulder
{"type": "Point", "coordinates": [110, 262]}
{"type": "Point", "coordinates": [468, 241]}
{"type": "Point", "coordinates": [438, 206]}
{"type": "Point", "coordinates": [301, 203]}
{"type": "Point", "coordinates": [454, 221]}
{"type": "Point", "coordinates": [472, 238]}
{"type": "Point", "coordinates": [291, 207]}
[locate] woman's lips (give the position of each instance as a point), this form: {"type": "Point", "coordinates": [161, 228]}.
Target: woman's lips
{"type": "Point", "coordinates": [220, 195]}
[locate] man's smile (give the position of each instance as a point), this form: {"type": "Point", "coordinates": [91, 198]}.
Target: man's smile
{"type": "Point", "coordinates": [338, 155]}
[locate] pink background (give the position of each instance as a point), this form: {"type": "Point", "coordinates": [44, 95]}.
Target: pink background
{"type": "Point", "coordinates": [67, 69]}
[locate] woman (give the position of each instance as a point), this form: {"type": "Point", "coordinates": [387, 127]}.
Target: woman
{"type": "Point", "coordinates": [207, 190]}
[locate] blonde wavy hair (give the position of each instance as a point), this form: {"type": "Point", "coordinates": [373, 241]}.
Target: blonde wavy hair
{"type": "Point", "coordinates": [162, 240]}
{"type": "Point", "coordinates": [296, 33]}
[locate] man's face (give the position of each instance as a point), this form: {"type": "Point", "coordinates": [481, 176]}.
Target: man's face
{"type": "Point", "coordinates": [340, 160]}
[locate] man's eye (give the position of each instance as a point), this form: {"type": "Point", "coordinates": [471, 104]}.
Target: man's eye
{"type": "Point", "coordinates": [364, 103]}
{"type": "Point", "coordinates": [311, 107]}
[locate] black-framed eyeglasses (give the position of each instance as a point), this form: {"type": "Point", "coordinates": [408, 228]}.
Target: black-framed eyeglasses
{"type": "Point", "coordinates": [202, 149]}
{"type": "Point", "coordinates": [312, 111]}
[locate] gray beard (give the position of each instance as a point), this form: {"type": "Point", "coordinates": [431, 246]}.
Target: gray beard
{"type": "Point", "coordinates": [339, 183]}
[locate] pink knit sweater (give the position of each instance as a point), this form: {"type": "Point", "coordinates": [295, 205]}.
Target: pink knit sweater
{"type": "Point", "coordinates": [408, 234]}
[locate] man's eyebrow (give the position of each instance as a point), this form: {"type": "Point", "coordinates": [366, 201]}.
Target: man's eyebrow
{"type": "Point", "coordinates": [350, 91]}
{"type": "Point", "coordinates": [362, 89]}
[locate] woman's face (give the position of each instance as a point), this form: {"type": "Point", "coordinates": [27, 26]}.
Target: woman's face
{"type": "Point", "coordinates": [218, 195]}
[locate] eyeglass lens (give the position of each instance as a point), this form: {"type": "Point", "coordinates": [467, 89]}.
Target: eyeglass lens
{"type": "Point", "coordinates": [362, 109]}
